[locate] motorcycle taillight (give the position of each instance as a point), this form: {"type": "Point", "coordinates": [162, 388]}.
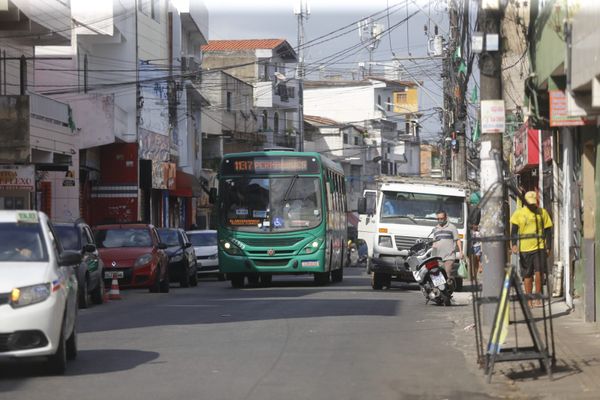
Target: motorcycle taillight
{"type": "Point", "coordinates": [432, 264]}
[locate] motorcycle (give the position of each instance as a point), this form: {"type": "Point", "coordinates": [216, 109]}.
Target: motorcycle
{"type": "Point", "coordinates": [429, 273]}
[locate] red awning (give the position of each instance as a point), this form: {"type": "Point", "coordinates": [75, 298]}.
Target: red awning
{"type": "Point", "coordinates": [183, 185]}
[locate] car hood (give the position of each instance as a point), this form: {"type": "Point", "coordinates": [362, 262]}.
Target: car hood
{"type": "Point", "coordinates": [19, 274]}
{"type": "Point", "coordinates": [121, 254]}
{"type": "Point", "coordinates": [205, 250]}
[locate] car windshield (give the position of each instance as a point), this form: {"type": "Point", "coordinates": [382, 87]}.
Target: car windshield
{"type": "Point", "coordinates": [271, 204]}
{"type": "Point", "coordinates": [68, 237]}
{"type": "Point", "coordinates": [124, 237]}
{"type": "Point", "coordinates": [22, 242]}
{"type": "Point", "coordinates": [169, 237]}
{"type": "Point", "coordinates": [420, 208]}
{"type": "Point", "coordinates": [203, 239]}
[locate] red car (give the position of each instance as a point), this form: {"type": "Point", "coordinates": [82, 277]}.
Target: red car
{"type": "Point", "coordinates": [135, 255]}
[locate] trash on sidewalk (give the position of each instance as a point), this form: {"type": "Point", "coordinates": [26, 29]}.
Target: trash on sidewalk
{"type": "Point", "coordinates": [469, 327]}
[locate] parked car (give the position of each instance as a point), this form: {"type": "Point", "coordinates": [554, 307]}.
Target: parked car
{"type": "Point", "coordinates": [38, 291]}
{"type": "Point", "coordinates": [205, 246]}
{"type": "Point", "coordinates": [78, 237]}
{"type": "Point", "coordinates": [134, 254]}
{"type": "Point", "coordinates": [182, 258]}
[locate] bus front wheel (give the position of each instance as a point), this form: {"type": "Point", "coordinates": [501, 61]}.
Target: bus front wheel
{"type": "Point", "coordinates": [337, 275]}
{"type": "Point", "coordinates": [321, 278]}
{"type": "Point", "coordinates": [237, 280]}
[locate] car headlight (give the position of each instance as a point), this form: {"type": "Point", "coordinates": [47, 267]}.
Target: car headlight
{"type": "Point", "coordinates": [28, 295]}
{"type": "Point", "coordinates": [230, 248]}
{"type": "Point", "coordinates": [143, 260]}
{"type": "Point", "coordinates": [385, 241]}
{"type": "Point", "coordinates": [313, 246]}
{"type": "Point", "coordinates": [177, 257]}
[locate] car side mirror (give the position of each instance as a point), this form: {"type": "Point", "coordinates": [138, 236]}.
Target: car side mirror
{"type": "Point", "coordinates": [69, 257]}
{"type": "Point", "coordinates": [362, 205]}
{"type": "Point", "coordinates": [89, 248]}
{"type": "Point", "coordinates": [162, 246]}
{"type": "Point", "coordinates": [212, 195]}
{"type": "Point", "coordinates": [187, 245]}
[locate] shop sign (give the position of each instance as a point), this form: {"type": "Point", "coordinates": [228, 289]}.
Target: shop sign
{"type": "Point", "coordinates": [526, 147]}
{"type": "Point", "coordinates": [547, 145]}
{"type": "Point", "coordinates": [17, 177]}
{"type": "Point", "coordinates": [492, 116]}
{"type": "Point", "coordinates": [559, 115]}
{"type": "Point", "coordinates": [163, 175]}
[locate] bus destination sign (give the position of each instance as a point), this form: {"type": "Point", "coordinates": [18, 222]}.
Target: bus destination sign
{"type": "Point", "coordinates": [270, 165]}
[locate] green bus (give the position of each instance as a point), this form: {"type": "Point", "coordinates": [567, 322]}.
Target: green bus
{"type": "Point", "coordinates": [281, 212]}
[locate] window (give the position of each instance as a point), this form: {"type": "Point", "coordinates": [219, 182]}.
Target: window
{"type": "Point", "coordinates": [356, 140]}
{"type": "Point", "coordinates": [389, 104]}
{"type": "Point", "coordinates": [265, 120]}
{"type": "Point", "coordinates": [229, 101]}
{"type": "Point", "coordinates": [345, 138]}
{"type": "Point", "coordinates": [276, 123]}
{"type": "Point", "coordinates": [379, 99]}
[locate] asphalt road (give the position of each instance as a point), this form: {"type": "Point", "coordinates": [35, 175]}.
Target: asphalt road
{"type": "Point", "coordinates": [293, 340]}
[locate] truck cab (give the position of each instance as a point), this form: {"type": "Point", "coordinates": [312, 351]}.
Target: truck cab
{"type": "Point", "coordinates": [401, 211]}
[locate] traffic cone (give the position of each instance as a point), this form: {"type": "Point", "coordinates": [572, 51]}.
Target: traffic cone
{"type": "Point", "coordinates": [114, 293]}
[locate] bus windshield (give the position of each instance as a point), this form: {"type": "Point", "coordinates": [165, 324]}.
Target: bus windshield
{"type": "Point", "coordinates": [271, 204]}
{"type": "Point", "coordinates": [420, 208]}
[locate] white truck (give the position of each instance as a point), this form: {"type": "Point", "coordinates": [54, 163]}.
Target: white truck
{"type": "Point", "coordinates": [400, 211]}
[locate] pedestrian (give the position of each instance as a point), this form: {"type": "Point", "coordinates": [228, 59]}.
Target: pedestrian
{"type": "Point", "coordinates": [446, 241]}
{"type": "Point", "coordinates": [476, 248]}
{"type": "Point", "coordinates": [531, 227]}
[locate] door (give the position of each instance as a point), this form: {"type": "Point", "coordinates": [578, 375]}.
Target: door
{"type": "Point", "coordinates": [367, 222]}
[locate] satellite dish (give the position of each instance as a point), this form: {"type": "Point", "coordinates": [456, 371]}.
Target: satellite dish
{"type": "Point", "coordinates": [280, 76]}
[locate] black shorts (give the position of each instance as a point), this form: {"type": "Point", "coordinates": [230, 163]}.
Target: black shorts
{"type": "Point", "coordinates": [533, 261]}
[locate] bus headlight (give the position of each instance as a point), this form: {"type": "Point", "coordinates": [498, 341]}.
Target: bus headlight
{"type": "Point", "coordinates": [385, 241]}
{"type": "Point", "coordinates": [230, 248]}
{"type": "Point", "coordinates": [313, 246]}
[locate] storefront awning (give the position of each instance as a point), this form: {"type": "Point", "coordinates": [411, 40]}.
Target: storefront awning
{"type": "Point", "coordinates": [183, 185]}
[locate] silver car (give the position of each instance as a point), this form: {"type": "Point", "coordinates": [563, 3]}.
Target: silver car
{"type": "Point", "coordinates": [205, 246]}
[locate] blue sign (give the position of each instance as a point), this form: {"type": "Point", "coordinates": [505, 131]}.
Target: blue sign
{"type": "Point", "coordinates": [278, 222]}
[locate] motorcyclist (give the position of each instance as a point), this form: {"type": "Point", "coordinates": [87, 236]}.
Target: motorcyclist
{"type": "Point", "coordinates": [445, 242]}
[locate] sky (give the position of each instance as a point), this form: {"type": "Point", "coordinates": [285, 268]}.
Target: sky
{"type": "Point", "coordinates": [332, 29]}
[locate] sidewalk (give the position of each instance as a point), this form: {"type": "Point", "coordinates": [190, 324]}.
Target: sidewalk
{"type": "Point", "coordinates": [577, 371]}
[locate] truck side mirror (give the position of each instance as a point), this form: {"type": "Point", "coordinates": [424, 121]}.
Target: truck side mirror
{"type": "Point", "coordinates": [212, 195]}
{"type": "Point", "coordinates": [362, 205]}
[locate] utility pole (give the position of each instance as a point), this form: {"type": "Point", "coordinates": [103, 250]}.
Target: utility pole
{"type": "Point", "coordinates": [302, 11]}
{"type": "Point", "coordinates": [492, 224]}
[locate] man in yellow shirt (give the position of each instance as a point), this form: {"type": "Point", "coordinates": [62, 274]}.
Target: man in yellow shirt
{"type": "Point", "coordinates": [532, 227]}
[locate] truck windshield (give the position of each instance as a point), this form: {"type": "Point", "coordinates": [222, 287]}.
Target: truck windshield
{"type": "Point", "coordinates": [271, 204]}
{"type": "Point", "coordinates": [420, 208]}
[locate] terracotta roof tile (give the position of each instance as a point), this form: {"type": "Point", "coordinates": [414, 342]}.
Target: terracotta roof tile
{"type": "Point", "coordinates": [226, 45]}
{"type": "Point", "coordinates": [321, 120]}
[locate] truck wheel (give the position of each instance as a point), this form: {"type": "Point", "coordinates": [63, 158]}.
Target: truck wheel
{"type": "Point", "coordinates": [378, 280]}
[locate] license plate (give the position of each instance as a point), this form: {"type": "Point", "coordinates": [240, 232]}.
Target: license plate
{"type": "Point", "coordinates": [113, 274]}
{"type": "Point", "coordinates": [438, 280]}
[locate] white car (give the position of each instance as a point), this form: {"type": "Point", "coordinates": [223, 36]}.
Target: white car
{"type": "Point", "coordinates": [205, 246]}
{"type": "Point", "coordinates": [38, 291]}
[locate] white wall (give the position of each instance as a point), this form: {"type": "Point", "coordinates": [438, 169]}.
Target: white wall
{"type": "Point", "coordinates": [345, 104]}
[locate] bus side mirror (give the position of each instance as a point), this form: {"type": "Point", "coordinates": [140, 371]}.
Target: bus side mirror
{"type": "Point", "coordinates": [212, 196]}
{"type": "Point", "coordinates": [362, 205]}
